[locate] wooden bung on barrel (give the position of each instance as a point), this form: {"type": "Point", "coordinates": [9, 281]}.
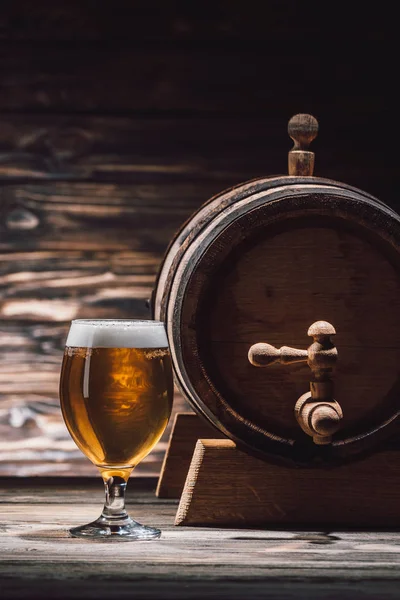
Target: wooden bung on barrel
{"type": "Point", "coordinates": [252, 272]}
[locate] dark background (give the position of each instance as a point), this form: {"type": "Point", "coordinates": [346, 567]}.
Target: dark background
{"type": "Point", "coordinates": [117, 120]}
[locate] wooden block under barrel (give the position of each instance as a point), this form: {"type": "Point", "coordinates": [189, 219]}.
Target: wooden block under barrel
{"type": "Point", "coordinates": [186, 430]}
{"type": "Point", "coordinates": [227, 487]}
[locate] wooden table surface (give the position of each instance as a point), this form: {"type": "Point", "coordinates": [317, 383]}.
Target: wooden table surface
{"type": "Point", "coordinates": [38, 559]}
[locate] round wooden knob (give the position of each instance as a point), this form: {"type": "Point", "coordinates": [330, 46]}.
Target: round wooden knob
{"type": "Point", "coordinates": [319, 419]}
{"type": "Point", "coordinates": [303, 129]}
{"type": "Point", "coordinates": [262, 354]}
{"type": "Point", "coordinates": [325, 421]}
{"type": "Point", "coordinates": [321, 329]}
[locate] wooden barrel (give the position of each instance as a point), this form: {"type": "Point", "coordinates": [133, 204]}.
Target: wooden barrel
{"type": "Point", "coordinates": [262, 262]}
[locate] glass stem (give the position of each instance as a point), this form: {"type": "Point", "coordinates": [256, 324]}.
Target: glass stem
{"type": "Point", "coordinates": [114, 506]}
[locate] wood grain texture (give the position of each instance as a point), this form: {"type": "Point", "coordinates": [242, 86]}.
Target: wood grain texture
{"type": "Point", "coordinates": [38, 559]}
{"type": "Point", "coordinates": [139, 149]}
{"type": "Point", "coordinates": [187, 428]}
{"type": "Point", "coordinates": [70, 250]}
{"type": "Point", "coordinates": [226, 487]}
{"type": "Point", "coordinates": [209, 153]}
{"type": "Point", "coordinates": [189, 62]}
{"type": "Point", "coordinates": [93, 217]}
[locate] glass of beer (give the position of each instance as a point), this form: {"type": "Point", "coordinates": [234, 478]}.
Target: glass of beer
{"type": "Point", "coordinates": [116, 397]}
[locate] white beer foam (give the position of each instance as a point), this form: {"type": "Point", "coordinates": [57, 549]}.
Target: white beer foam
{"type": "Point", "coordinates": [116, 334]}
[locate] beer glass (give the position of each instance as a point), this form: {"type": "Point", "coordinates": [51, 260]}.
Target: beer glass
{"type": "Point", "coordinates": [116, 397]}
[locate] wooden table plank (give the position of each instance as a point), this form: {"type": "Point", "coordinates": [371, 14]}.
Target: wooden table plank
{"type": "Point", "coordinates": [38, 558]}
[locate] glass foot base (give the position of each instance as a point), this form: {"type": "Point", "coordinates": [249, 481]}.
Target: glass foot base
{"type": "Point", "coordinates": [123, 529]}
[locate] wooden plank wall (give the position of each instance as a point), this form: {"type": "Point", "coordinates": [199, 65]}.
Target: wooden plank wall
{"type": "Point", "coordinates": [117, 120]}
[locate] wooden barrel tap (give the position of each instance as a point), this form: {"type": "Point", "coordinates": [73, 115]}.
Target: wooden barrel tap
{"type": "Point", "coordinates": [316, 411]}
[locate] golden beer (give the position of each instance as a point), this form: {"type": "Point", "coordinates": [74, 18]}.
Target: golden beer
{"type": "Point", "coordinates": [116, 401]}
